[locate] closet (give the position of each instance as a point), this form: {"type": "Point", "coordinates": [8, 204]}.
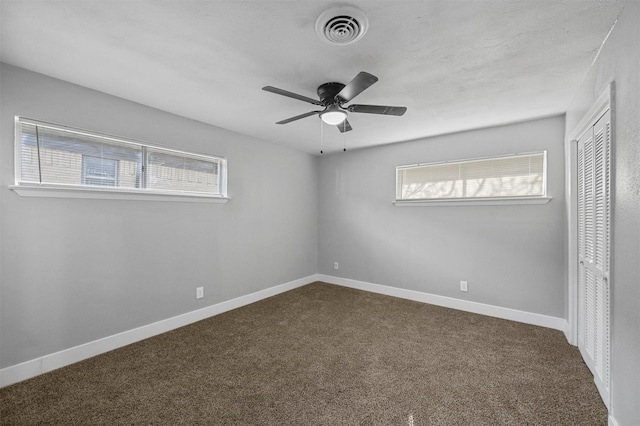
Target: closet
{"type": "Point", "coordinates": [593, 234]}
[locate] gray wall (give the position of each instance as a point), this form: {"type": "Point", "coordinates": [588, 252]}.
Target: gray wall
{"type": "Point", "coordinates": [512, 255]}
{"type": "Point", "coordinates": [76, 270]}
{"type": "Point", "coordinates": [619, 61]}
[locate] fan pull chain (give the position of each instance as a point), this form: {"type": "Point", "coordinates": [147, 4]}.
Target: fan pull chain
{"type": "Point", "coordinates": [321, 137]}
{"type": "Point", "coordinates": [344, 136]}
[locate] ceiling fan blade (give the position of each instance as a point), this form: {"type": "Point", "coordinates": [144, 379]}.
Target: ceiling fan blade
{"type": "Point", "coordinates": [298, 117]}
{"type": "Point", "coordinates": [359, 84]}
{"type": "Point", "coordinates": [291, 95]}
{"type": "Point", "coordinates": [378, 109]}
{"type": "Point", "coordinates": [344, 126]}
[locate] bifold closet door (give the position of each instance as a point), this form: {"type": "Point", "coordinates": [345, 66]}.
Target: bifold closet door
{"type": "Point", "coordinates": [594, 189]}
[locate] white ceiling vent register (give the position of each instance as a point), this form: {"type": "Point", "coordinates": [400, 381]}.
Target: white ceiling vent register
{"type": "Point", "coordinates": [342, 25]}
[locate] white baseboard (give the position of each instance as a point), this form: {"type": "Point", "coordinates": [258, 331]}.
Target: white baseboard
{"type": "Point", "coordinates": [44, 364]}
{"type": "Point", "coordinates": [612, 421]}
{"type": "Point", "coordinates": [449, 302]}
{"type": "Point", "coordinates": [19, 372]}
{"type": "Point", "coordinates": [566, 329]}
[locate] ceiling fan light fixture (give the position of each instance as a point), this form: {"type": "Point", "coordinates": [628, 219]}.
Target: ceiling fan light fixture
{"type": "Point", "coordinates": [333, 115]}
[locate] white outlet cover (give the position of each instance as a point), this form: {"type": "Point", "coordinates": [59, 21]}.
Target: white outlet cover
{"type": "Point", "coordinates": [464, 286]}
{"type": "Point", "coordinates": [199, 292]}
{"type": "Point", "coordinates": [336, 265]}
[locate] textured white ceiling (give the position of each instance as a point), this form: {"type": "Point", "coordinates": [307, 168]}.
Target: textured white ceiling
{"type": "Point", "coordinates": [455, 64]}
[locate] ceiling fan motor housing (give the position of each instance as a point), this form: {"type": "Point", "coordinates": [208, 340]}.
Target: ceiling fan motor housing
{"type": "Point", "coordinates": [328, 91]}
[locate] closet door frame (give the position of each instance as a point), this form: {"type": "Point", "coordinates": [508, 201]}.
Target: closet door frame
{"type": "Point", "coordinates": [601, 105]}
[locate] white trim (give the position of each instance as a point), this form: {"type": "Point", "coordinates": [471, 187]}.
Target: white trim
{"type": "Point", "coordinates": [555, 323]}
{"type": "Point", "coordinates": [612, 421]}
{"type": "Point", "coordinates": [64, 191]}
{"type": "Point", "coordinates": [44, 364]}
{"type": "Point", "coordinates": [472, 202]}
{"type": "Point", "coordinates": [566, 330]}
{"type": "Point", "coordinates": [571, 209]}
{"type": "Point", "coordinates": [599, 108]}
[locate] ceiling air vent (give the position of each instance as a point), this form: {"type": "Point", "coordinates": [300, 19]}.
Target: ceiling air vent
{"type": "Point", "coordinates": [342, 25]}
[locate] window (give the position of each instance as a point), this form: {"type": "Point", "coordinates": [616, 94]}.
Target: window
{"type": "Point", "coordinates": [58, 157]}
{"type": "Point", "coordinates": [518, 176]}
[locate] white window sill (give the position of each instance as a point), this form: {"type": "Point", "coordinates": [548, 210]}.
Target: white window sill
{"type": "Point", "coordinates": [61, 191]}
{"type": "Point", "coordinates": [472, 202]}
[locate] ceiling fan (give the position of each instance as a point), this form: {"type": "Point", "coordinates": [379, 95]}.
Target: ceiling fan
{"type": "Point", "coordinates": [333, 96]}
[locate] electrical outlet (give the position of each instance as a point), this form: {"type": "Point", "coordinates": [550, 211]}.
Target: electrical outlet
{"type": "Point", "coordinates": [336, 265]}
{"type": "Point", "coordinates": [464, 286]}
{"type": "Point", "coordinates": [199, 292]}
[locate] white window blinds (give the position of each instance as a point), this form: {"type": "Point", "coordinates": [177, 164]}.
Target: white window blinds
{"type": "Point", "coordinates": [49, 154]}
{"type": "Point", "coordinates": [519, 175]}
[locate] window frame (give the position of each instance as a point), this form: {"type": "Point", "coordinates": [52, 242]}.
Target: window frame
{"type": "Point", "coordinates": [504, 200]}
{"type": "Point", "coordinates": [40, 189]}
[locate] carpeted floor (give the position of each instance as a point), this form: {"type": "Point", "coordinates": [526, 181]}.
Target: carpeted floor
{"type": "Point", "coordinates": [323, 355]}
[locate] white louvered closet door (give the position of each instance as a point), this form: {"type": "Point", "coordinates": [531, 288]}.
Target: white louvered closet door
{"type": "Point", "coordinates": [594, 189]}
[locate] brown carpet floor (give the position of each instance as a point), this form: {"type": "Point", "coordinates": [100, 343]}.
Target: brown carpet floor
{"type": "Point", "coordinates": [323, 355]}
